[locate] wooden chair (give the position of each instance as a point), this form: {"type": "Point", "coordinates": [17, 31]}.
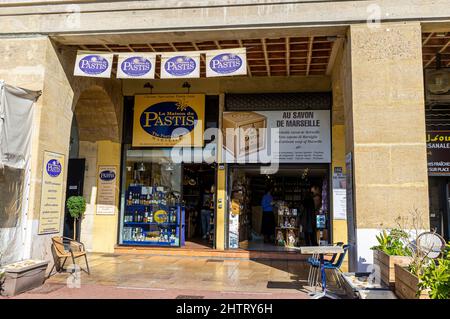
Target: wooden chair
{"type": "Point", "coordinates": [73, 249]}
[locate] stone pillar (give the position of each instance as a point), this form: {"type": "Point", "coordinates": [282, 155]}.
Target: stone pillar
{"type": "Point", "coordinates": [385, 131]}
{"type": "Point", "coordinates": [33, 63]}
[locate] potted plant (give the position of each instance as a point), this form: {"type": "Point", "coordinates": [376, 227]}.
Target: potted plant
{"type": "Point", "coordinates": [76, 206]}
{"type": "Point", "coordinates": [391, 250]}
{"type": "Point", "coordinates": [435, 277]}
{"type": "Point", "coordinates": [424, 278]}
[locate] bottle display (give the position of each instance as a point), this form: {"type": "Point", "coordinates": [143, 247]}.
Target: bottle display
{"type": "Point", "coordinates": [152, 216]}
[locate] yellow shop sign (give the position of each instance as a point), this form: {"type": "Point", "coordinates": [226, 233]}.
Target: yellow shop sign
{"type": "Point", "coordinates": [169, 120]}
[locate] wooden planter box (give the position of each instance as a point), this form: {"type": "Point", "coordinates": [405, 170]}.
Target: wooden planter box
{"type": "Point", "coordinates": [406, 284]}
{"type": "Point", "coordinates": [386, 264]}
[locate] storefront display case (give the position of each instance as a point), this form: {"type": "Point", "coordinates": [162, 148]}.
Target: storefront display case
{"type": "Point", "coordinates": [153, 216]}
{"type": "Point", "coordinates": [152, 212]}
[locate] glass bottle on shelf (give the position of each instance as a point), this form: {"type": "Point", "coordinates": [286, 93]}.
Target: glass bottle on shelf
{"type": "Point", "coordinates": [150, 217]}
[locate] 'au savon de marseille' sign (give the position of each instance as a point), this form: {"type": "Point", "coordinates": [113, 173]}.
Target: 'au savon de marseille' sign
{"type": "Point", "coordinates": [167, 120]}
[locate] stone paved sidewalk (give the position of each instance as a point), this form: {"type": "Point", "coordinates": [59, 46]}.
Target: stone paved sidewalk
{"type": "Point", "coordinates": [145, 276]}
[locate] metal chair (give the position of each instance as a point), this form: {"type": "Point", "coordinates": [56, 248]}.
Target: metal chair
{"type": "Point", "coordinates": [73, 249]}
{"type": "Point", "coordinates": [335, 267]}
{"type": "Point", "coordinates": [314, 271]}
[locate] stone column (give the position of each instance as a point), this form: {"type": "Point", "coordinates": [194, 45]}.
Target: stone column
{"type": "Point", "coordinates": [385, 131]}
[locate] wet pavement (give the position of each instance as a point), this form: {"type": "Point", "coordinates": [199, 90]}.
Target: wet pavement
{"type": "Point", "coordinates": [150, 276]}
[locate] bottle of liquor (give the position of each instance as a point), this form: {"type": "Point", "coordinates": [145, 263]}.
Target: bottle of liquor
{"type": "Point", "coordinates": [150, 217]}
{"type": "Point", "coordinates": [146, 216]}
{"type": "Point", "coordinates": [130, 197]}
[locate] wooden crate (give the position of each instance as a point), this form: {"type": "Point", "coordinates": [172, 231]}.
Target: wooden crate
{"type": "Point", "coordinates": [386, 264]}
{"type": "Point", "coordinates": [406, 284]}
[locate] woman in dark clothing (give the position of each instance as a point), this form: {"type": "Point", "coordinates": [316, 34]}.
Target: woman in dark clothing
{"type": "Point", "coordinates": [268, 219]}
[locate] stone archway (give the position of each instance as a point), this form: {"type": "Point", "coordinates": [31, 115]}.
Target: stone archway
{"type": "Point", "coordinates": [97, 109]}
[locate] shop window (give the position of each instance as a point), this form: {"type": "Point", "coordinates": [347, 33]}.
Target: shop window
{"type": "Point", "coordinates": [151, 209]}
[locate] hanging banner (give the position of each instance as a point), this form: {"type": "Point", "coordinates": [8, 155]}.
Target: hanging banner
{"type": "Point", "coordinates": [52, 193]}
{"type": "Point", "coordinates": [92, 64]}
{"type": "Point", "coordinates": [164, 120]}
{"type": "Point", "coordinates": [180, 65]}
{"type": "Point", "coordinates": [226, 62]}
{"type": "Point", "coordinates": [136, 66]}
{"type": "Point", "coordinates": [106, 190]}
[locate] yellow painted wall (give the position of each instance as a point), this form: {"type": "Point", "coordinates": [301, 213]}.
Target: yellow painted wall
{"type": "Point", "coordinates": [221, 212]}
{"type": "Point", "coordinates": [105, 229]}
{"type": "Point", "coordinates": [338, 160]}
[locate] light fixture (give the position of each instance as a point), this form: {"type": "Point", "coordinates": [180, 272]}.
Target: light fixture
{"type": "Point", "coordinates": [141, 166]}
{"type": "Point", "coordinates": [148, 85]}
{"type": "Point", "coordinates": [186, 85]}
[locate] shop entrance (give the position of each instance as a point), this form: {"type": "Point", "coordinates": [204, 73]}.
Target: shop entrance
{"type": "Point", "coordinates": [278, 211]}
{"type": "Point", "coordinates": [199, 199]}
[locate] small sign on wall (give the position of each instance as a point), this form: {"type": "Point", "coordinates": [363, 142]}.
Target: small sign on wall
{"type": "Point", "coordinates": [52, 206]}
{"type": "Point", "coordinates": [106, 190]}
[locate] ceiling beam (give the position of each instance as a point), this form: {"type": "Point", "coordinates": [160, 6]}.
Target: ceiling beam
{"type": "Point", "coordinates": [427, 39]}
{"type": "Point", "coordinates": [309, 58]}
{"type": "Point", "coordinates": [334, 52]}
{"type": "Point", "coordinates": [249, 72]}
{"type": "Point", "coordinates": [266, 56]}
{"type": "Point", "coordinates": [288, 57]}
{"type": "Point", "coordinates": [440, 51]}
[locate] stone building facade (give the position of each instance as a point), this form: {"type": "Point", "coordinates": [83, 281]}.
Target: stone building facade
{"type": "Point", "coordinates": [373, 67]}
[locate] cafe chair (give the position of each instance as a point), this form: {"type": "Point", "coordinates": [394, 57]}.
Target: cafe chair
{"type": "Point", "coordinates": [64, 248]}
{"type": "Point", "coordinates": [334, 267]}
{"type": "Point", "coordinates": [314, 263]}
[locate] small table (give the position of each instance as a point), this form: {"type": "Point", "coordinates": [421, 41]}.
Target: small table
{"type": "Point", "coordinates": [321, 251]}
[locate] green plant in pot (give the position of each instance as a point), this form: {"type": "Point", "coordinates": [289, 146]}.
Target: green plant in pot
{"type": "Point", "coordinates": [76, 206]}
{"type": "Point", "coordinates": [435, 277]}
{"type": "Point", "coordinates": [393, 243]}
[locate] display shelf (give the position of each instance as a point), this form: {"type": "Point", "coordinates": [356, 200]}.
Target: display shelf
{"type": "Point", "coordinates": [147, 243]}
{"type": "Point", "coordinates": [152, 224]}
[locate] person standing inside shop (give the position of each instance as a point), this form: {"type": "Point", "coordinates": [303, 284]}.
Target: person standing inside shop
{"type": "Point", "coordinates": [205, 213]}
{"type": "Point", "coordinates": [268, 219]}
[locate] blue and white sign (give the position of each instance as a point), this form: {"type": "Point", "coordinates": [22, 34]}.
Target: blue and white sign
{"type": "Point", "coordinates": [93, 64]}
{"type": "Point", "coordinates": [180, 65]}
{"type": "Point", "coordinates": [53, 167]}
{"type": "Point", "coordinates": [107, 190]}
{"type": "Point", "coordinates": [136, 66]}
{"type": "Point", "coordinates": [226, 62]}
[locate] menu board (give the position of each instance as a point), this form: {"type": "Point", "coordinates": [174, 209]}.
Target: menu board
{"type": "Point", "coordinates": [51, 208]}
{"type": "Point", "coordinates": [106, 191]}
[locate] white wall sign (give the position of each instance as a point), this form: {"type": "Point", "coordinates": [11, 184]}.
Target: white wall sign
{"type": "Point", "coordinates": [93, 64]}
{"type": "Point", "coordinates": [301, 136]}
{"type": "Point", "coordinates": [52, 207]}
{"type": "Point", "coordinates": [136, 66]}
{"type": "Point", "coordinates": [226, 62]}
{"type": "Point", "coordinates": [106, 192]}
{"type": "Point", "coordinates": [180, 65]}
{"type": "Point", "coordinates": [339, 196]}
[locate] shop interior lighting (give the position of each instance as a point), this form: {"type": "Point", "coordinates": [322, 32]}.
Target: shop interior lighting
{"type": "Point", "coordinates": [141, 167]}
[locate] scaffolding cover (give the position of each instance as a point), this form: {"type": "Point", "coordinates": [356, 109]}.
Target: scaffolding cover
{"type": "Point", "coordinates": [16, 121]}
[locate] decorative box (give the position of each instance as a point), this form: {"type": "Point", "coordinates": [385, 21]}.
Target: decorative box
{"type": "Point", "coordinates": [249, 124]}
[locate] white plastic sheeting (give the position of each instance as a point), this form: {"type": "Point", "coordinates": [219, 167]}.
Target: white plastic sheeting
{"type": "Point", "coordinates": [16, 122]}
